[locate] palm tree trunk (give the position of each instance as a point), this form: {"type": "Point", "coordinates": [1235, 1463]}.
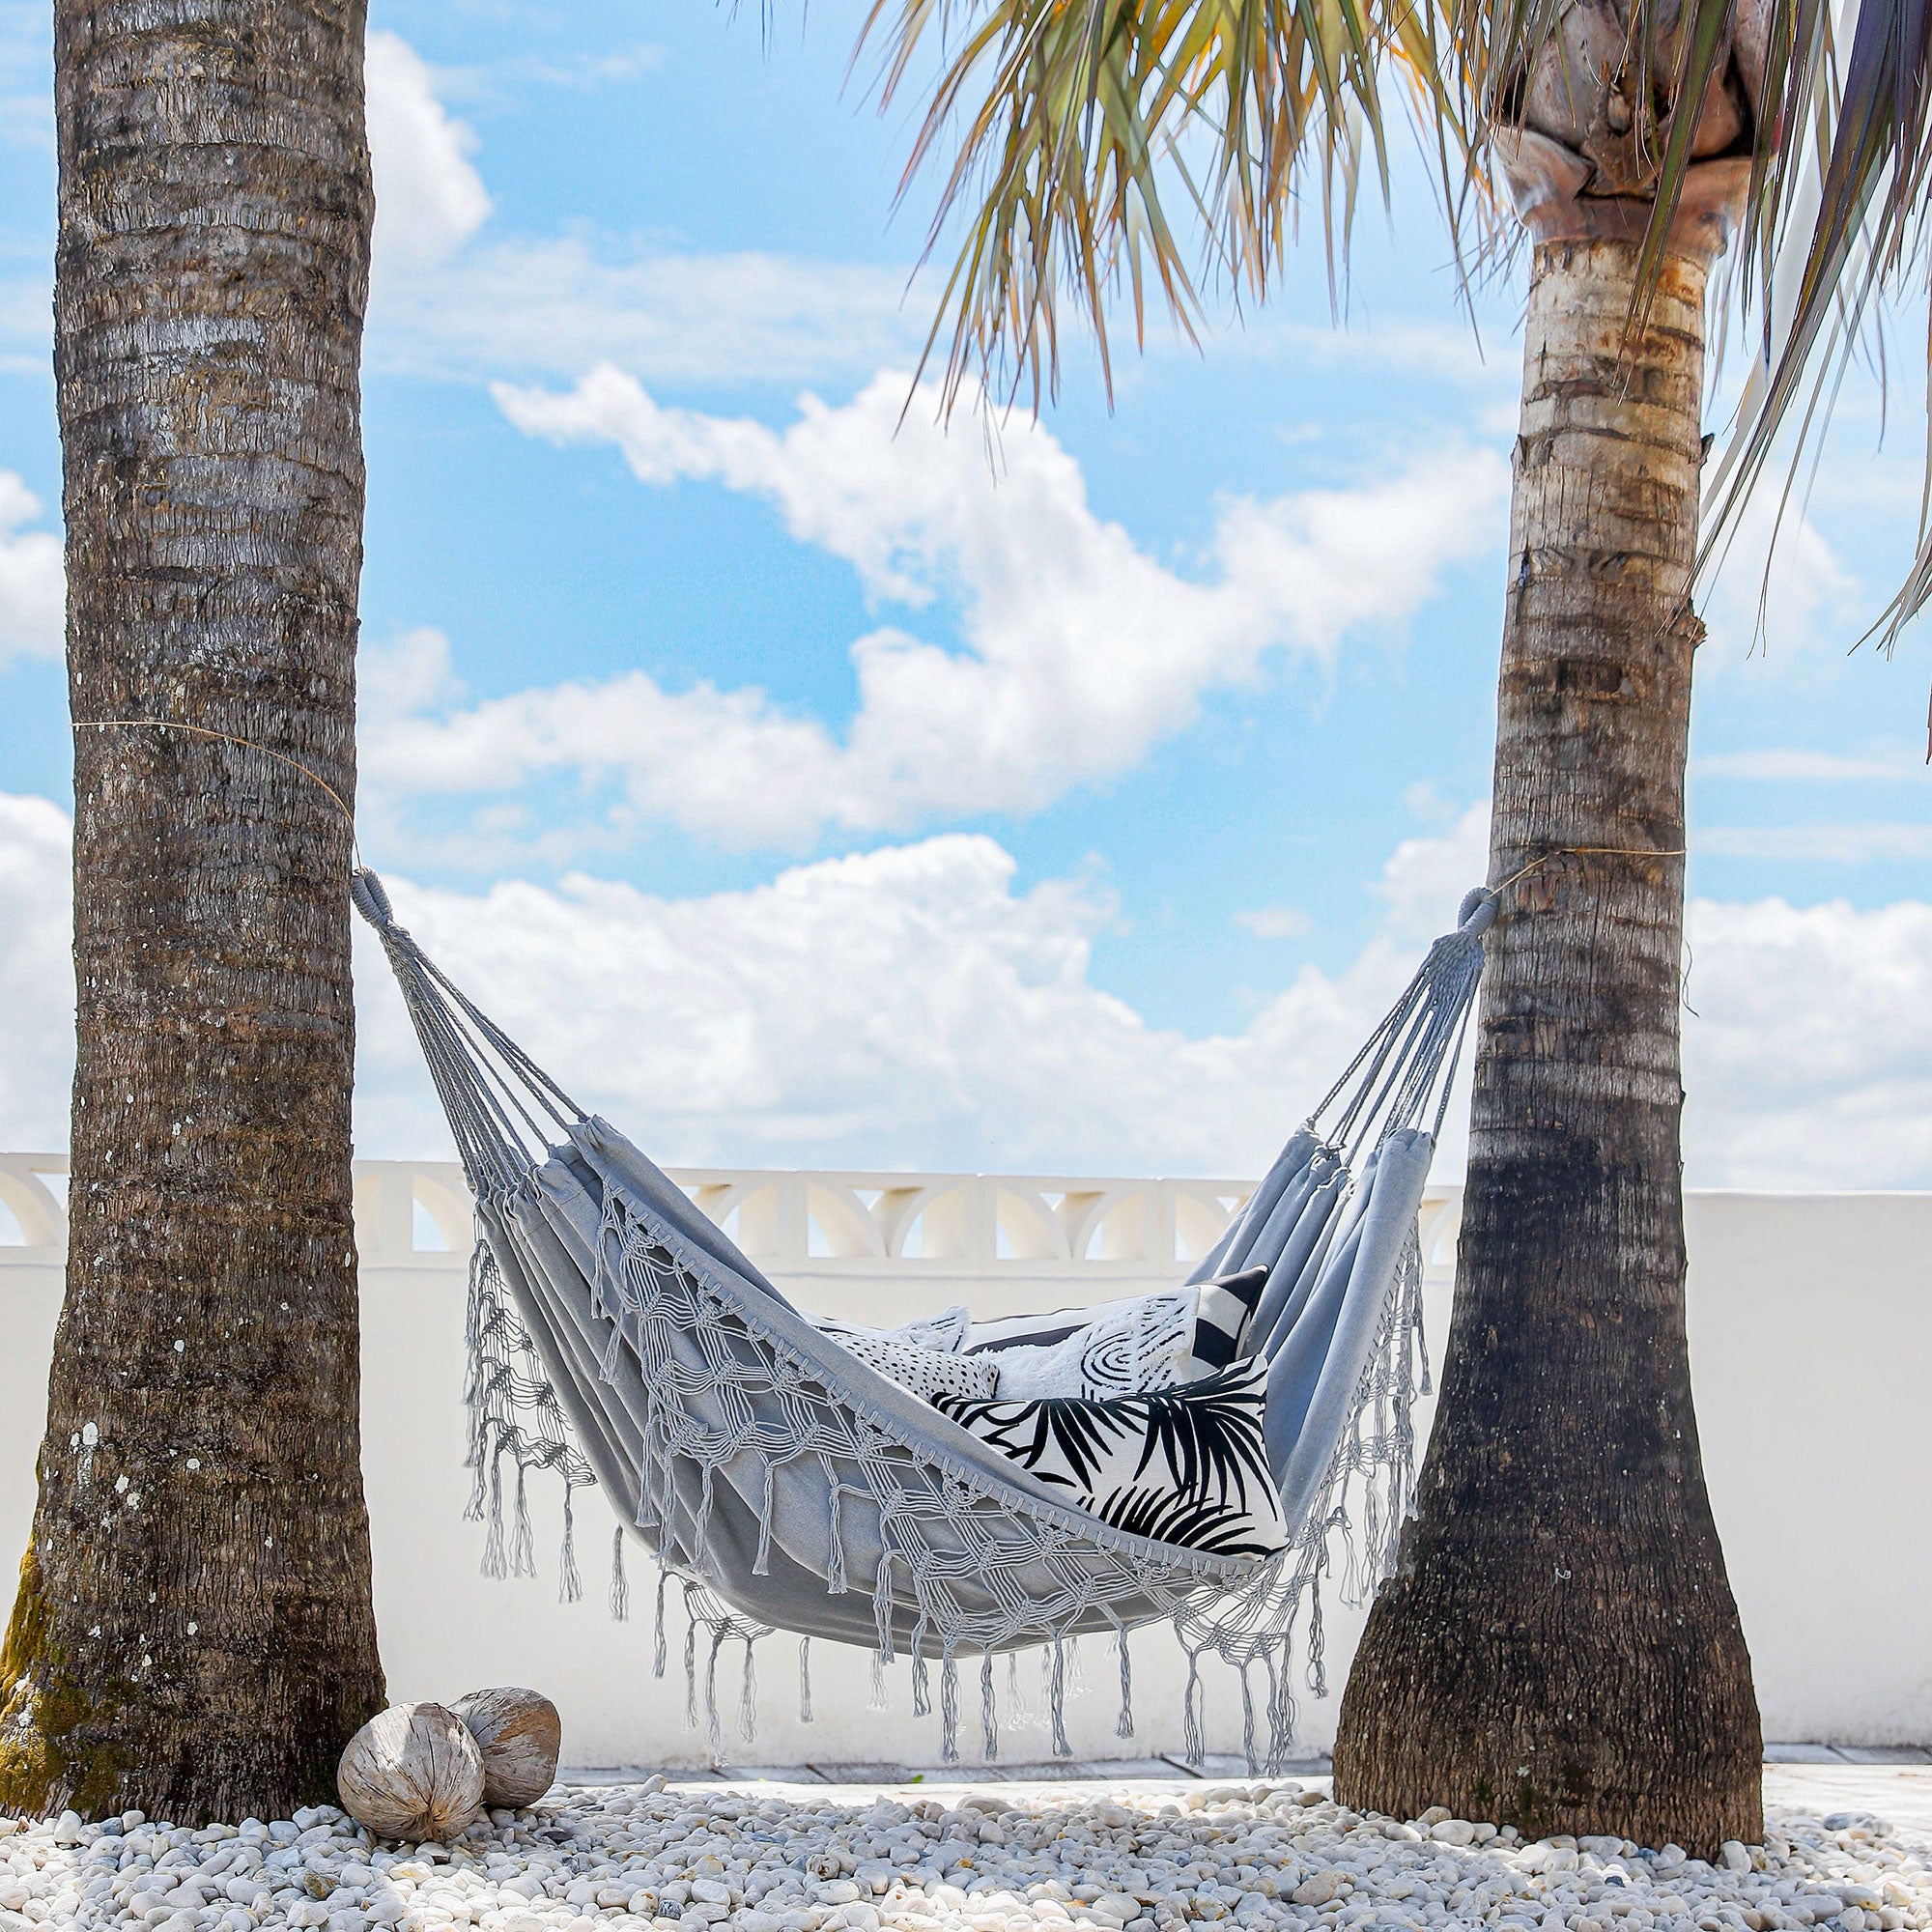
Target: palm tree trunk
{"type": "Point", "coordinates": [193, 1632]}
{"type": "Point", "coordinates": [1559, 1648]}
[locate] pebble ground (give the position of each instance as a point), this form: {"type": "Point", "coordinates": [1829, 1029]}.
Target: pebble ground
{"type": "Point", "coordinates": [648, 1857]}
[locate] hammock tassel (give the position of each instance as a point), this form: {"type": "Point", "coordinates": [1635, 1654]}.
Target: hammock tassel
{"type": "Point", "coordinates": [761, 1563]}
{"type": "Point", "coordinates": [834, 1567]}
{"type": "Point", "coordinates": [524, 1545]}
{"type": "Point", "coordinates": [621, 1590]}
{"type": "Point", "coordinates": [658, 1632]}
{"type": "Point", "coordinates": [569, 1585]}
{"type": "Point", "coordinates": [1192, 1749]}
{"type": "Point", "coordinates": [494, 1566]}
{"type": "Point", "coordinates": [691, 1676]}
{"type": "Point", "coordinates": [748, 1695]}
{"type": "Point", "coordinates": [949, 1708]}
{"type": "Point", "coordinates": [1124, 1728]}
{"type": "Point", "coordinates": [1057, 1702]}
{"type": "Point", "coordinates": [713, 1731]}
{"type": "Point", "coordinates": [804, 1680]}
{"type": "Point", "coordinates": [989, 1717]}
{"type": "Point", "coordinates": [1019, 1713]}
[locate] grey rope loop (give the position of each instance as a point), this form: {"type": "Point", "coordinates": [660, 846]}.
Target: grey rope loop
{"type": "Point", "coordinates": [308, 772]}
{"type": "Point", "coordinates": [490, 1089]}
{"type": "Point", "coordinates": [1587, 852]}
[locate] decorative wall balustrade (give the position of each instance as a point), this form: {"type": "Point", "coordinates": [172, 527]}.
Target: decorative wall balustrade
{"type": "Point", "coordinates": [801, 1223]}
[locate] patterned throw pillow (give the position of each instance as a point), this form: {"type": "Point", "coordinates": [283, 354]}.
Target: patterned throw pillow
{"type": "Point", "coordinates": [944, 1331]}
{"type": "Point", "coordinates": [1183, 1465]}
{"type": "Point", "coordinates": [921, 1354]}
{"type": "Point", "coordinates": [930, 1374]}
{"type": "Point", "coordinates": [1121, 1347]}
{"type": "Point", "coordinates": [1226, 1306]}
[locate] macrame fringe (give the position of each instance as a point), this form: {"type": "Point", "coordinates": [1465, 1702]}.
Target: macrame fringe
{"type": "Point", "coordinates": [621, 1590]}
{"type": "Point", "coordinates": [514, 1414]}
{"type": "Point", "coordinates": [569, 1585]}
{"type": "Point", "coordinates": [949, 1708]}
{"type": "Point", "coordinates": [658, 1622]}
{"type": "Point", "coordinates": [494, 1566]}
{"type": "Point", "coordinates": [1056, 1700]}
{"type": "Point", "coordinates": [748, 1696]}
{"type": "Point", "coordinates": [1019, 1713]}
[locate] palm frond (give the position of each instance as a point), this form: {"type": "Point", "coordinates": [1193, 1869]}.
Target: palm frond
{"type": "Point", "coordinates": [1101, 146]}
{"type": "Point", "coordinates": [1204, 1434]}
{"type": "Point", "coordinates": [1868, 143]}
{"type": "Point", "coordinates": [1194, 1522]}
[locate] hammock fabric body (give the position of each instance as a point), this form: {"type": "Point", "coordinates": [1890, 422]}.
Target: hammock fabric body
{"type": "Point", "coordinates": [618, 1338]}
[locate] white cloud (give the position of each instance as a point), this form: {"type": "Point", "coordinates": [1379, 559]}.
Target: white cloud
{"type": "Point", "coordinates": [905, 1006]}
{"type": "Point", "coordinates": [33, 578]}
{"type": "Point", "coordinates": [1789, 621]}
{"type": "Point", "coordinates": [910, 1007]}
{"type": "Point", "coordinates": [1419, 871]}
{"type": "Point", "coordinates": [1794, 765]}
{"type": "Point", "coordinates": [1809, 1064]}
{"type": "Point", "coordinates": [36, 973]}
{"type": "Point", "coordinates": [555, 305]}
{"type": "Point", "coordinates": [428, 199]}
{"type": "Point", "coordinates": [582, 71]}
{"type": "Point", "coordinates": [1273, 922]}
{"type": "Point", "coordinates": [1080, 651]}
{"type": "Point", "coordinates": [1857, 843]}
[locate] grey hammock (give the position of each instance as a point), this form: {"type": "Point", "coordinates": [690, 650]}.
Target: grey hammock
{"type": "Point", "coordinates": [616, 1337]}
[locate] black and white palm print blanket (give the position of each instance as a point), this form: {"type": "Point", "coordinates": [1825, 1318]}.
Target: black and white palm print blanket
{"type": "Point", "coordinates": [1184, 1464]}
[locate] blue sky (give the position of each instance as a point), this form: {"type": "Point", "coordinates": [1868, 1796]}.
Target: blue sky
{"type": "Point", "coordinates": [1062, 798]}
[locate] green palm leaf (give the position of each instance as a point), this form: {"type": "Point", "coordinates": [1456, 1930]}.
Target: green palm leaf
{"type": "Point", "coordinates": [1100, 144]}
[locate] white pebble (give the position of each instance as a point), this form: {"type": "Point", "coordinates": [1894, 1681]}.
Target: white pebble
{"type": "Point", "coordinates": [716, 1858]}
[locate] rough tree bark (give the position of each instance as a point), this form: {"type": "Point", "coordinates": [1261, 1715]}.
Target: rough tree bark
{"type": "Point", "coordinates": [193, 1632]}
{"type": "Point", "coordinates": [1559, 1648]}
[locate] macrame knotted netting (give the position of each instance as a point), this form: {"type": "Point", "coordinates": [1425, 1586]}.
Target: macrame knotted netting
{"type": "Point", "coordinates": [617, 1337]}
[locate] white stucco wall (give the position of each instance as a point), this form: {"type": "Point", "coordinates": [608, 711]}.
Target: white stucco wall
{"type": "Point", "coordinates": [1811, 1345]}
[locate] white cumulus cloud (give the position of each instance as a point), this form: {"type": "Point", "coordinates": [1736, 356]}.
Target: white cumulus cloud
{"type": "Point", "coordinates": [36, 972]}
{"type": "Point", "coordinates": [429, 197]}
{"type": "Point", "coordinates": [33, 578]}
{"type": "Point", "coordinates": [1079, 652]}
{"type": "Point", "coordinates": [1780, 603]}
{"type": "Point", "coordinates": [1810, 1062]}
{"type": "Point", "coordinates": [1808, 1034]}
{"type": "Point", "coordinates": [913, 1006]}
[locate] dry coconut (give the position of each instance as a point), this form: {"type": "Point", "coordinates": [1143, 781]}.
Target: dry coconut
{"type": "Point", "coordinates": [519, 1735]}
{"type": "Point", "coordinates": [412, 1772]}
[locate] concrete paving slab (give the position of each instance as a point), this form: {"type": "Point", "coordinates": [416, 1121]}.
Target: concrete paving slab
{"type": "Point", "coordinates": [1228, 1768]}
{"type": "Point", "coordinates": [1901, 1794]}
{"type": "Point", "coordinates": [1802, 1755]}
{"type": "Point", "coordinates": [1897, 1789]}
